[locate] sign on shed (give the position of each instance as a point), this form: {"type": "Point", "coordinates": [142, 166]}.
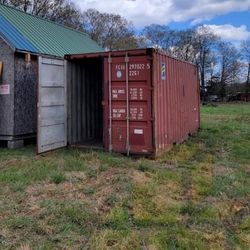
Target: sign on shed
{"type": "Point", "coordinates": [4, 89]}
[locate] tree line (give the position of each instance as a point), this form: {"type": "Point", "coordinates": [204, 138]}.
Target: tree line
{"type": "Point", "coordinates": [223, 67]}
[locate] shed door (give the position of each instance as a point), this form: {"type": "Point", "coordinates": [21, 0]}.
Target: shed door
{"type": "Point", "coordinates": [52, 120]}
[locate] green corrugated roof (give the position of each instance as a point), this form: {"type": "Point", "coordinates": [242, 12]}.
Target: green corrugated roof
{"type": "Point", "coordinates": [48, 37]}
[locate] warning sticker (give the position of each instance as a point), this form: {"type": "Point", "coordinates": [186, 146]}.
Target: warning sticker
{"type": "Point", "coordinates": [163, 71]}
{"type": "Point", "coordinates": [4, 89]}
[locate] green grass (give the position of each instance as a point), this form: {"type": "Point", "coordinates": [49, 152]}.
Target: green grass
{"type": "Point", "coordinates": [57, 178]}
{"type": "Point", "coordinates": [194, 197]}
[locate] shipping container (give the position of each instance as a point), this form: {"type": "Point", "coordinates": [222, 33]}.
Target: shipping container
{"type": "Point", "coordinates": [131, 102]}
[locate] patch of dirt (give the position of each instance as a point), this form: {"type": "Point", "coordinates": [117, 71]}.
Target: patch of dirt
{"type": "Point", "coordinates": [50, 190]}
{"type": "Point", "coordinates": [100, 200]}
{"type": "Point", "coordinates": [139, 211]}
{"type": "Point", "coordinates": [163, 202]}
{"type": "Point", "coordinates": [106, 184]}
{"type": "Point", "coordinates": [103, 186]}
{"type": "Point", "coordinates": [247, 168]}
{"type": "Point", "coordinates": [215, 240]}
{"type": "Point", "coordinates": [230, 212]}
{"type": "Point", "coordinates": [75, 175]}
{"type": "Point", "coordinates": [240, 208]}
{"type": "Point", "coordinates": [141, 178]}
{"type": "Point", "coordinates": [172, 187]}
{"type": "Point", "coordinates": [151, 247]}
{"type": "Point", "coordinates": [190, 193]}
{"type": "Point", "coordinates": [39, 192]}
{"type": "Point", "coordinates": [222, 208]}
{"type": "Point", "coordinates": [3, 235]}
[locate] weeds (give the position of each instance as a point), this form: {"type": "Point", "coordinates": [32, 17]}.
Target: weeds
{"type": "Point", "coordinates": [57, 178]}
{"type": "Point", "coordinates": [194, 197]}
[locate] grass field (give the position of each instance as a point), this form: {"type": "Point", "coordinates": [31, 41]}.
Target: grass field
{"type": "Point", "coordinates": [195, 197]}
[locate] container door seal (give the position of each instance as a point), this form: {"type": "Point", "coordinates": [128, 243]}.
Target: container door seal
{"type": "Point", "coordinates": [51, 106]}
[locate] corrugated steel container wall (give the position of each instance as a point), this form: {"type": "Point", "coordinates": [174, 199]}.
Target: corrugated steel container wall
{"type": "Point", "coordinates": [175, 101]}
{"type": "Point", "coordinates": [84, 97]}
{"type": "Point", "coordinates": [150, 100]}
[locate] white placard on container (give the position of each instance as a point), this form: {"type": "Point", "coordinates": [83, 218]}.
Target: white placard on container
{"type": "Point", "coordinates": [4, 89]}
{"type": "Point", "coordinates": [138, 131]}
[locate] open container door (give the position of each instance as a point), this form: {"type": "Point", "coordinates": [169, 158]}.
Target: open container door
{"type": "Point", "coordinates": [51, 107]}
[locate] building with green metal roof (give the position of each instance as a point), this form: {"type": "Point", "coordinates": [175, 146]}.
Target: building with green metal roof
{"type": "Point", "coordinates": [26, 32]}
{"type": "Point", "coordinates": [23, 39]}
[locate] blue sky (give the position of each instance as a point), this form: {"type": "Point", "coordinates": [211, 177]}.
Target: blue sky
{"type": "Point", "coordinates": [227, 18]}
{"type": "Point", "coordinates": [234, 18]}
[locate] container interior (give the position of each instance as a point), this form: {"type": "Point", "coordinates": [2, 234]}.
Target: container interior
{"type": "Point", "coordinates": [85, 95]}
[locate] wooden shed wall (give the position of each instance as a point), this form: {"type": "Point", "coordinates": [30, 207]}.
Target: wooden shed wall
{"type": "Point", "coordinates": [18, 108]}
{"type": "Point", "coordinates": [7, 100]}
{"type": "Point", "coordinates": [25, 91]}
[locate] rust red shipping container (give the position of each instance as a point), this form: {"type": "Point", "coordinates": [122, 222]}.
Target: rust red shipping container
{"type": "Point", "coordinates": [150, 100]}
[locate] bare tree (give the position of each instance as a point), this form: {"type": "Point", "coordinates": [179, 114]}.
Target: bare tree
{"type": "Point", "coordinates": [194, 45]}
{"type": "Point", "coordinates": [183, 47]}
{"type": "Point", "coordinates": [246, 55]}
{"type": "Point", "coordinates": [60, 11]}
{"type": "Point", "coordinates": [111, 31]}
{"type": "Point", "coordinates": [157, 35]}
{"type": "Point", "coordinates": [63, 12]}
{"type": "Point", "coordinates": [204, 43]}
{"type": "Point", "coordinates": [229, 64]}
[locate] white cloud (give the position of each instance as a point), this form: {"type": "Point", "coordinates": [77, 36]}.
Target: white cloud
{"type": "Point", "coordinates": [230, 32]}
{"type": "Point", "coordinates": [144, 12]}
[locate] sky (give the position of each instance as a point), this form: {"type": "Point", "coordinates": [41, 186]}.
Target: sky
{"type": "Point", "coordinates": [227, 18]}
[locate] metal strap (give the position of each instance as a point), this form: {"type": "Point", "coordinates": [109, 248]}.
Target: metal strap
{"type": "Point", "coordinates": [110, 103]}
{"type": "Point", "coordinates": [127, 103]}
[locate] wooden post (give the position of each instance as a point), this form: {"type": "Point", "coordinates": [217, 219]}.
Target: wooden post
{"type": "Point", "coordinates": [1, 72]}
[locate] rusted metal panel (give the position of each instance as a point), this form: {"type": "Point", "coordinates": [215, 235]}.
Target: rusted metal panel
{"type": "Point", "coordinates": [176, 101]}
{"type": "Point", "coordinates": [150, 100]}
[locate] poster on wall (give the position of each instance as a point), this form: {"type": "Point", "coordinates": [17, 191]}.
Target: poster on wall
{"type": "Point", "coordinates": [4, 89]}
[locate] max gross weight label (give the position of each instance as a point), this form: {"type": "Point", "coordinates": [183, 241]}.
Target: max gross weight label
{"type": "Point", "coordinates": [136, 113]}
{"type": "Point", "coordinates": [135, 93]}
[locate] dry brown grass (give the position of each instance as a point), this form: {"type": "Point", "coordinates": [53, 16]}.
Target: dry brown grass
{"type": "Point", "coordinates": [195, 197]}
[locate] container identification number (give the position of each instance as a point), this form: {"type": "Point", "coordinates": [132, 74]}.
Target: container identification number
{"type": "Point", "coordinates": [134, 68]}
